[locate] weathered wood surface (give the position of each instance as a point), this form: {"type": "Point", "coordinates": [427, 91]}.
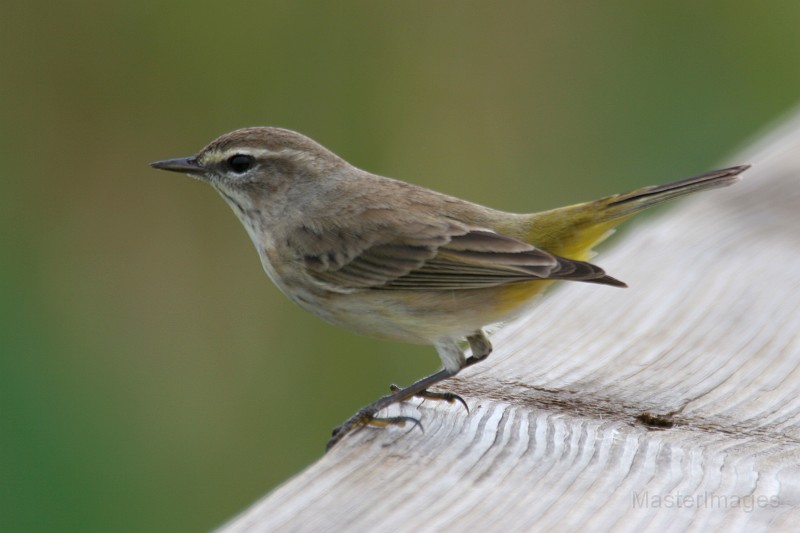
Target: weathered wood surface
{"type": "Point", "coordinates": [707, 338]}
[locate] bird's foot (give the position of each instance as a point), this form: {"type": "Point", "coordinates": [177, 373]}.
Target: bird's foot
{"type": "Point", "coordinates": [449, 397]}
{"type": "Point", "coordinates": [366, 417]}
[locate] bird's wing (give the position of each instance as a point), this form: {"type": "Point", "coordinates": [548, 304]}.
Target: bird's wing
{"type": "Point", "coordinates": [440, 254]}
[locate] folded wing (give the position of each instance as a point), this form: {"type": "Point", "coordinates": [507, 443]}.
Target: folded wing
{"type": "Point", "coordinates": [437, 255]}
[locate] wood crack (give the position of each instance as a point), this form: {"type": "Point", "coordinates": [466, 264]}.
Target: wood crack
{"type": "Point", "coordinates": [577, 403]}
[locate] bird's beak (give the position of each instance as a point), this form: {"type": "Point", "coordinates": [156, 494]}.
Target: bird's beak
{"type": "Point", "coordinates": [187, 165]}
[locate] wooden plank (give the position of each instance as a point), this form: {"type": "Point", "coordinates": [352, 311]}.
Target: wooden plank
{"type": "Point", "coordinates": [671, 405]}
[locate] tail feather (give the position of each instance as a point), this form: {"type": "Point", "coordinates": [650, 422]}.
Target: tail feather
{"type": "Point", "coordinates": [635, 201]}
{"type": "Point", "coordinates": [573, 231]}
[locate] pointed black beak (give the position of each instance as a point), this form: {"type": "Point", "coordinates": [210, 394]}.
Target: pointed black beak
{"type": "Point", "coordinates": [187, 165]}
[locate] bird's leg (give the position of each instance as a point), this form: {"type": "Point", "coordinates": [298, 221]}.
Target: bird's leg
{"type": "Point", "coordinates": [481, 348]}
{"type": "Point", "coordinates": [366, 415]}
{"type": "Point", "coordinates": [454, 360]}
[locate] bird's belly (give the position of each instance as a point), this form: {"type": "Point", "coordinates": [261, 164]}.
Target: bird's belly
{"type": "Point", "coordinates": [422, 317]}
{"type": "Point", "coordinates": [414, 316]}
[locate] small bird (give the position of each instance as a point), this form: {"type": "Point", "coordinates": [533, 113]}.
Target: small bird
{"type": "Point", "coordinates": [397, 261]}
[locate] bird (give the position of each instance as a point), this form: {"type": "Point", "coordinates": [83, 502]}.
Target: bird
{"type": "Point", "coordinates": [394, 260]}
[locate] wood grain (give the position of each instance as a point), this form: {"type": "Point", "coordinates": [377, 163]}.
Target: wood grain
{"type": "Point", "coordinates": [672, 405]}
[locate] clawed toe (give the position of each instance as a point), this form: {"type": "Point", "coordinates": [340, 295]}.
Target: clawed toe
{"type": "Point", "coordinates": [394, 421]}
{"type": "Point", "coordinates": [449, 397]}
{"type": "Point", "coordinates": [366, 417]}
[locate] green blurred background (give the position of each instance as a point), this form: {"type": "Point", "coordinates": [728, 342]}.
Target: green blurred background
{"type": "Point", "coordinates": [151, 378]}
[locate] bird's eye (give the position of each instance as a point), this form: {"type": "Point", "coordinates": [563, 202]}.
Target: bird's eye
{"type": "Point", "coordinates": [241, 163]}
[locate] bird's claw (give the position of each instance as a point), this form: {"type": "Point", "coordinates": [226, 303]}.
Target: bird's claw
{"type": "Point", "coordinates": [449, 397]}
{"type": "Point", "coordinates": [366, 417]}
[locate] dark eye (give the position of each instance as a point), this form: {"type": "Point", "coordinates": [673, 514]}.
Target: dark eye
{"type": "Point", "coordinates": [241, 163]}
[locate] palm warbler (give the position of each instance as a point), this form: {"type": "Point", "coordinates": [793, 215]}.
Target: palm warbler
{"type": "Point", "coordinates": [396, 261]}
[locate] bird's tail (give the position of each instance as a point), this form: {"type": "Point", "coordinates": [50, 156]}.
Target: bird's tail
{"type": "Point", "coordinates": [573, 231]}
{"type": "Point", "coordinates": [625, 205]}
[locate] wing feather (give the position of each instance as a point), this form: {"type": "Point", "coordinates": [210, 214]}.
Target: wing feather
{"type": "Point", "coordinates": [441, 254]}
